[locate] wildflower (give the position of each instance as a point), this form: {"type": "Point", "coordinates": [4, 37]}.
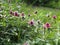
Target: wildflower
{"type": "Point", "coordinates": [47, 25]}
{"type": "Point", "coordinates": [31, 22]}
{"type": "Point", "coordinates": [22, 14]}
{"type": "Point", "coordinates": [54, 17]}
{"type": "Point", "coordinates": [16, 14]}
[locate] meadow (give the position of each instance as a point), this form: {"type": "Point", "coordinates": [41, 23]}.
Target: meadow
{"type": "Point", "coordinates": [22, 24]}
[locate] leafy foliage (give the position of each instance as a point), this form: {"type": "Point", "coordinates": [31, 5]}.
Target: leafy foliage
{"type": "Point", "coordinates": [21, 25]}
{"type": "Point", "coordinates": [42, 2]}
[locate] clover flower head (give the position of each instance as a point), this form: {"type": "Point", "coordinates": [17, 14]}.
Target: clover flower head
{"type": "Point", "coordinates": [54, 17]}
{"type": "Point", "coordinates": [31, 22]}
{"type": "Point", "coordinates": [16, 13]}
{"type": "Point", "coordinates": [46, 25]}
{"type": "Point", "coordinates": [22, 14]}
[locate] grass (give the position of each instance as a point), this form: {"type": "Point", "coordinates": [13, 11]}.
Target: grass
{"type": "Point", "coordinates": [14, 29]}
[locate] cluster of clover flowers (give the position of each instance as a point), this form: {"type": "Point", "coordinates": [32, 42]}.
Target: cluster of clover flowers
{"type": "Point", "coordinates": [32, 22]}
{"type": "Point", "coordinates": [46, 25]}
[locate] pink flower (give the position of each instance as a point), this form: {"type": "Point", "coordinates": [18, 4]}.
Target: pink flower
{"type": "Point", "coordinates": [54, 17]}
{"type": "Point", "coordinates": [22, 14]}
{"type": "Point", "coordinates": [47, 25]}
{"type": "Point", "coordinates": [31, 22]}
{"type": "Point", "coordinates": [16, 14]}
